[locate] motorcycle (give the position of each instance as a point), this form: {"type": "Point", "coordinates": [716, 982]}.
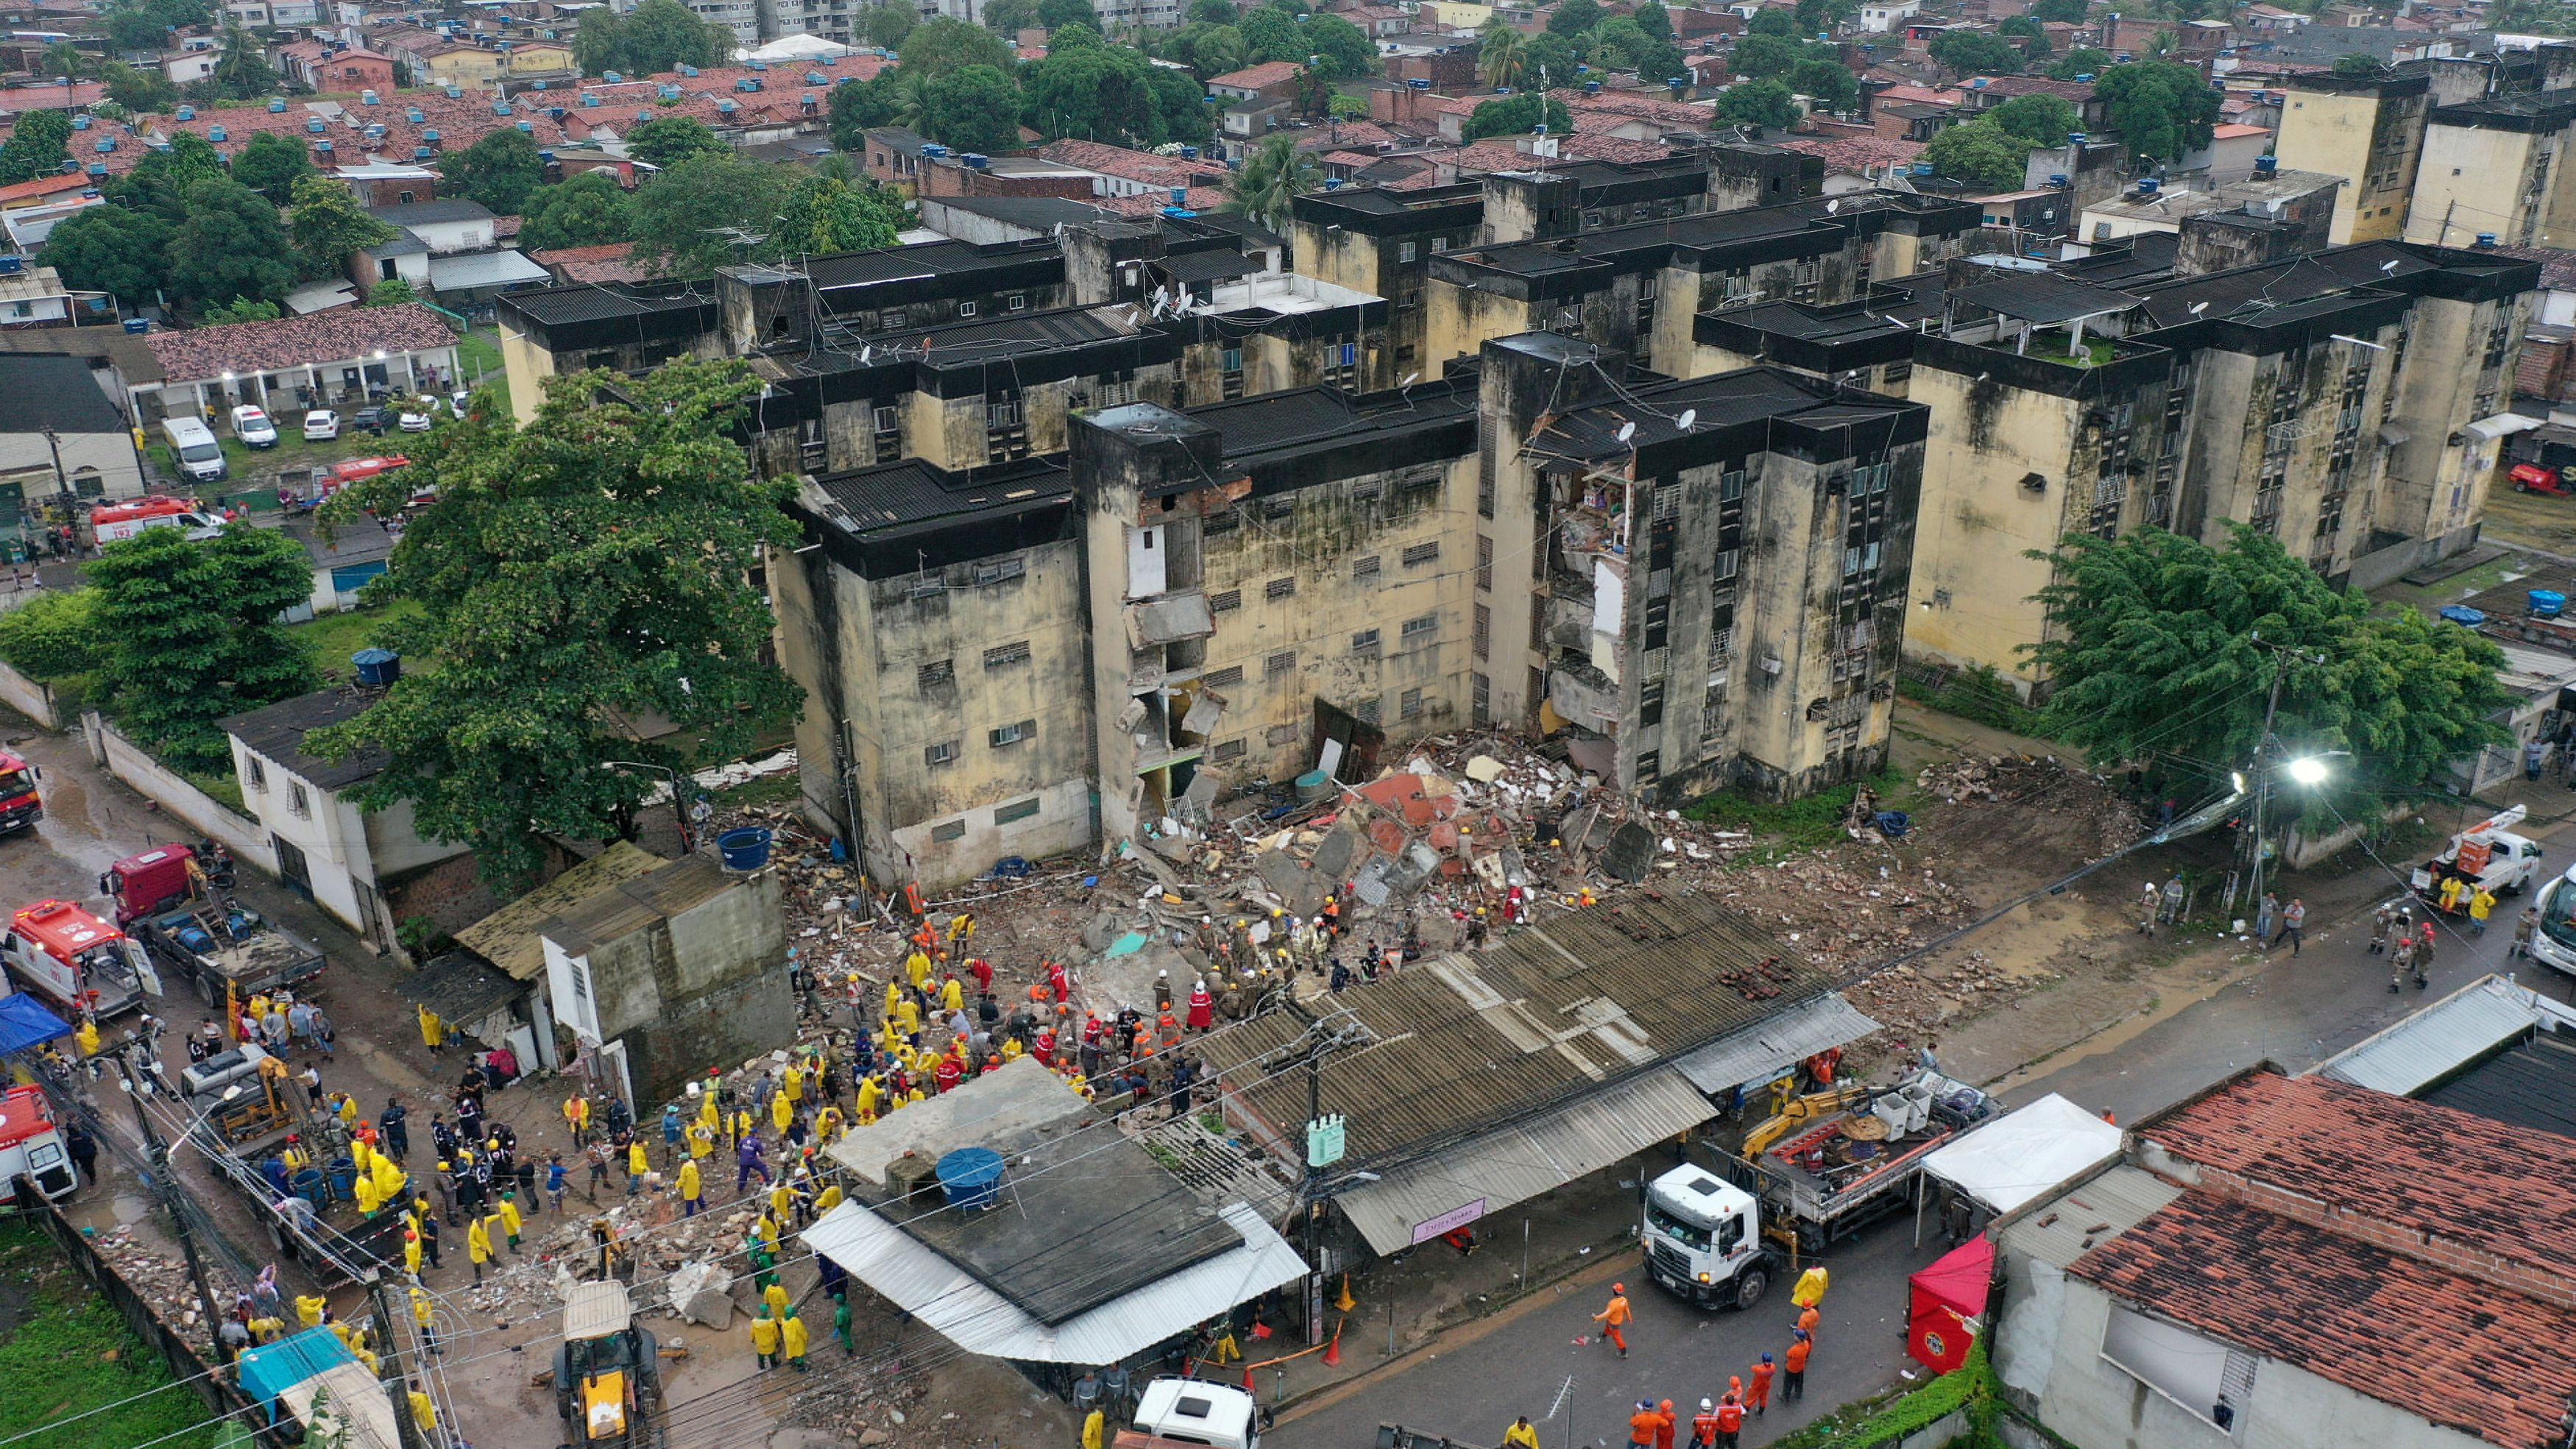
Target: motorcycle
{"type": "Point", "coordinates": [216, 862]}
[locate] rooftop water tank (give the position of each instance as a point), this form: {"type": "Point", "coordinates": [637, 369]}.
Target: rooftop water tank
{"type": "Point", "coordinates": [217, 133]}
{"type": "Point", "coordinates": [377, 668]}
{"type": "Point", "coordinates": [971, 1177]}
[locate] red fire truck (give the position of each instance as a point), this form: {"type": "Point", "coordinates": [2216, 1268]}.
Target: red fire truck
{"type": "Point", "coordinates": [31, 1146]}
{"type": "Point", "coordinates": [20, 808]}
{"type": "Point", "coordinates": [63, 953]}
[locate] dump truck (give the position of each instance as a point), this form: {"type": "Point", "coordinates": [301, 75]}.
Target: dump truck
{"type": "Point", "coordinates": [1179, 1413]}
{"type": "Point", "coordinates": [2488, 854]}
{"type": "Point", "coordinates": [1718, 1236]}
{"type": "Point", "coordinates": [606, 1369]}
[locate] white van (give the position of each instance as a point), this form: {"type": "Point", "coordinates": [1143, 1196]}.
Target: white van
{"type": "Point", "coordinates": [200, 457]}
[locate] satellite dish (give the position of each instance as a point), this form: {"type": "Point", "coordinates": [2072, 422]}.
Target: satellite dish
{"type": "Point", "coordinates": [1832, 206]}
{"type": "Point", "coordinates": [865, 355]}
{"type": "Point", "coordinates": [1627, 431]}
{"type": "Point", "coordinates": [1688, 417]}
{"type": "Point", "coordinates": [1409, 379]}
{"type": "Point", "coordinates": [2199, 307]}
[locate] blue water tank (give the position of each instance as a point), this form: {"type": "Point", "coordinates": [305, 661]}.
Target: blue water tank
{"type": "Point", "coordinates": [187, 113]}
{"type": "Point", "coordinates": [218, 133]}
{"type": "Point", "coordinates": [971, 1177]}
{"type": "Point", "coordinates": [2547, 603]}
{"type": "Point", "coordinates": [277, 105]}
{"type": "Point", "coordinates": [377, 668]}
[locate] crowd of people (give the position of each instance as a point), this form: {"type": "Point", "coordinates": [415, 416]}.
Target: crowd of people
{"type": "Point", "coordinates": [1720, 1420]}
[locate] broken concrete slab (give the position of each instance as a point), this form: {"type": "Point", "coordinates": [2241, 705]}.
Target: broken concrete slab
{"type": "Point", "coordinates": [1631, 852]}
{"type": "Point", "coordinates": [1484, 769]}
{"type": "Point", "coordinates": [1340, 847]}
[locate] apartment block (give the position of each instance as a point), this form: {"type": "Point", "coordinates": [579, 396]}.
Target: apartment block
{"type": "Point", "coordinates": [2499, 169]}
{"type": "Point", "coordinates": [2368, 130]}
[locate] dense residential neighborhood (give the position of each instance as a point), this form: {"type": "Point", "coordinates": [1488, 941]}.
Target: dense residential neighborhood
{"type": "Point", "coordinates": [1123, 724]}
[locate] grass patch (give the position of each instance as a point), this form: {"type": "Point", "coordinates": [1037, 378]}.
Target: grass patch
{"type": "Point", "coordinates": [224, 790]}
{"type": "Point", "coordinates": [1977, 695]}
{"type": "Point", "coordinates": [1793, 825]}
{"type": "Point", "coordinates": [478, 357]}
{"type": "Point", "coordinates": [64, 1351]}
{"type": "Point", "coordinates": [768, 790]}
{"type": "Point", "coordinates": [329, 639]}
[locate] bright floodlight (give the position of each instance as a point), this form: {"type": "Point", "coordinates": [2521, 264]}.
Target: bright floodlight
{"type": "Point", "coordinates": [2308, 772]}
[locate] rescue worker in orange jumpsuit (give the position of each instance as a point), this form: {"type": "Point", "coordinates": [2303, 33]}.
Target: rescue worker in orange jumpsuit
{"type": "Point", "coordinates": [1758, 1398]}
{"type": "Point", "coordinates": [1795, 1385]}
{"type": "Point", "coordinates": [1664, 1425]}
{"type": "Point", "coordinates": [1615, 1316]}
{"type": "Point", "coordinates": [1641, 1425]}
{"type": "Point", "coordinates": [1808, 1319]}
{"type": "Point", "coordinates": [1704, 1426]}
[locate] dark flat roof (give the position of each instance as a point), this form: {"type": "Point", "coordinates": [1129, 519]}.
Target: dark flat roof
{"type": "Point", "coordinates": [596, 302]}
{"type": "Point", "coordinates": [2533, 1085]}
{"type": "Point", "coordinates": [923, 259]}
{"type": "Point", "coordinates": [1301, 417]}
{"type": "Point", "coordinates": [278, 730]}
{"type": "Point", "coordinates": [911, 491]}
{"type": "Point", "coordinates": [1721, 400]}
{"type": "Point", "coordinates": [54, 390]}
{"type": "Point", "coordinates": [2043, 297]}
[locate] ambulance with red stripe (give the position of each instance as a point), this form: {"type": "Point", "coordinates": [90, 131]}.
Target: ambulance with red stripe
{"type": "Point", "coordinates": [62, 953]}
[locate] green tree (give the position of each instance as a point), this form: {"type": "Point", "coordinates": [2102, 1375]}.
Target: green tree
{"type": "Point", "coordinates": [161, 181]}
{"type": "Point", "coordinates": [38, 146]}
{"type": "Point", "coordinates": [1187, 117]}
{"type": "Point", "coordinates": [1766, 57]}
{"type": "Point", "coordinates": [688, 220]}
{"type": "Point", "coordinates": [657, 35]}
{"type": "Point", "coordinates": [2160, 108]}
{"type": "Point", "coordinates": [2063, 12]}
{"type": "Point", "coordinates": [1973, 52]}
{"type": "Point", "coordinates": [1095, 93]}
{"type": "Point", "coordinates": [1758, 103]}
{"type": "Point", "coordinates": [1781, 23]}
{"type": "Point", "coordinates": [191, 634]}
{"type": "Point", "coordinates": [328, 225]}
{"type": "Point", "coordinates": [2082, 60]}
{"type": "Point", "coordinates": [1275, 176]}
{"type": "Point", "coordinates": [1817, 17]}
{"type": "Point", "coordinates": [1516, 115]}
{"type": "Point", "coordinates": [1215, 12]}
{"type": "Point", "coordinates": [53, 634]}
{"type": "Point", "coordinates": [823, 217]}
{"type": "Point", "coordinates": [888, 25]}
{"type": "Point", "coordinates": [2026, 33]}
{"type": "Point", "coordinates": [1827, 82]}
{"type": "Point", "coordinates": [111, 249]}
{"type": "Point", "coordinates": [1075, 35]}
{"type": "Point", "coordinates": [1272, 35]}
{"type": "Point", "coordinates": [1347, 50]}
{"type": "Point", "coordinates": [858, 106]}
{"type": "Point", "coordinates": [2358, 62]}
{"type": "Point", "coordinates": [65, 61]}
{"type": "Point", "coordinates": [1981, 152]}
{"type": "Point", "coordinates": [1499, 61]}
{"type": "Point", "coordinates": [230, 248]}
{"type": "Point", "coordinates": [270, 164]}
{"type": "Point", "coordinates": [975, 108]}
{"type": "Point", "coordinates": [498, 170]}
{"type": "Point", "coordinates": [1010, 17]}
{"type": "Point", "coordinates": [594, 565]}
{"type": "Point", "coordinates": [2162, 646]}
{"type": "Point", "coordinates": [588, 210]}
{"type": "Point", "coordinates": [1573, 17]}
{"type": "Point", "coordinates": [144, 92]}
{"type": "Point", "coordinates": [1054, 14]}
{"type": "Point", "coordinates": [240, 309]}
{"type": "Point", "coordinates": [1650, 18]}
{"type": "Point", "coordinates": [939, 46]}
{"type": "Point", "coordinates": [1218, 50]}
{"type": "Point", "coordinates": [666, 139]}
{"type": "Point", "coordinates": [130, 30]}
{"type": "Point", "coordinates": [241, 68]}
{"type": "Point", "coordinates": [1548, 60]}
{"type": "Point", "coordinates": [2039, 118]}
{"type": "Point", "coordinates": [1618, 44]}
{"type": "Point", "coordinates": [1346, 108]}
{"type": "Point", "coordinates": [391, 292]}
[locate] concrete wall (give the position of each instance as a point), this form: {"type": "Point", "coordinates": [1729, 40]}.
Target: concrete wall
{"type": "Point", "coordinates": [108, 459]}
{"type": "Point", "coordinates": [347, 853]}
{"type": "Point", "coordinates": [2371, 141]}
{"type": "Point", "coordinates": [129, 762]}
{"type": "Point", "coordinates": [28, 697]}
{"type": "Point", "coordinates": [705, 986]}
{"type": "Point", "coordinates": [1972, 582]}
{"type": "Point", "coordinates": [2435, 487]}
{"type": "Point", "coordinates": [2474, 179]}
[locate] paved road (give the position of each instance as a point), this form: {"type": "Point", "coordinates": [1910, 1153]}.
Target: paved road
{"type": "Point", "coordinates": [2293, 1011]}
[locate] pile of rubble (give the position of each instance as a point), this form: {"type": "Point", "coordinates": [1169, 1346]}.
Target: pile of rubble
{"type": "Point", "coordinates": [1914, 1000]}
{"type": "Point", "coordinates": [162, 1280]}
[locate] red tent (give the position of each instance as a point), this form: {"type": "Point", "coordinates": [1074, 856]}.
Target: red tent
{"type": "Point", "coordinates": [1949, 1296]}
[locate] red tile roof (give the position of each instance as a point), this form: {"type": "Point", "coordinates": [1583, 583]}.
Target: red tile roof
{"type": "Point", "coordinates": [19, 99]}
{"type": "Point", "coordinates": [1255, 77]}
{"type": "Point", "coordinates": [1920, 96]}
{"type": "Point", "coordinates": [606, 263]}
{"type": "Point", "coordinates": [43, 186]}
{"type": "Point", "coordinates": [1859, 155]}
{"type": "Point", "coordinates": [1631, 103]}
{"type": "Point", "coordinates": [1343, 135]}
{"type": "Point", "coordinates": [2440, 1174]}
{"type": "Point", "coordinates": [1118, 161]}
{"type": "Point", "coordinates": [1200, 198]}
{"type": "Point", "coordinates": [2457, 1351]}
{"type": "Point", "coordinates": [291, 342]}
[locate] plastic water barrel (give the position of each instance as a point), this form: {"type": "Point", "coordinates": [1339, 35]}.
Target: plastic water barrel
{"type": "Point", "coordinates": [1314, 785]}
{"type": "Point", "coordinates": [344, 1178]}
{"type": "Point", "coordinates": [971, 1177]}
{"type": "Point", "coordinates": [377, 668]}
{"type": "Point", "coordinates": [2548, 603]}
{"type": "Point", "coordinates": [744, 849]}
{"type": "Point", "coordinates": [310, 1187]}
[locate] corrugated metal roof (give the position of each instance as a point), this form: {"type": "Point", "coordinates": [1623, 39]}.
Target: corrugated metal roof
{"type": "Point", "coordinates": [2059, 1232]}
{"type": "Point", "coordinates": [2437, 1041]}
{"type": "Point", "coordinates": [1759, 1052]}
{"type": "Point", "coordinates": [2534, 1086]}
{"type": "Point", "coordinates": [1520, 1162]}
{"type": "Point", "coordinates": [979, 1320]}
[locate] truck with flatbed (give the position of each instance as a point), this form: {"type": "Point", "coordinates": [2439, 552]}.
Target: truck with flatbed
{"type": "Point", "coordinates": [1718, 1236]}
{"type": "Point", "coordinates": [2489, 854]}
{"type": "Point", "coordinates": [223, 948]}
{"type": "Point", "coordinates": [1180, 1413]}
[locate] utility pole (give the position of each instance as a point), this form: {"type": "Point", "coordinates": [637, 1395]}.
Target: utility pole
{"type": "Point", "coordinates": [162, 1187]}
{"type": "Point", "coordinates": [2263, 782]}
{"type": "Point", "coordinates": [404, 1426]}
{"type": "Point", "coordinates": [1324, 1144]}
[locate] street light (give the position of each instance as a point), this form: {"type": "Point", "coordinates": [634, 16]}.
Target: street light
{"type": "Point", "coordinates": [2308, 770]}
{"type": "Point", "coordinates": [679, 811]}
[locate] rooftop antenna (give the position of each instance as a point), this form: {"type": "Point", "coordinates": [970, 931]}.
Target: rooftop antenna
{"type": "Point", "coordinates": [1402, 389]}
{"type": "Point", "coordinates": [2199, 307]}
{"type": "Point", "coordinates": [1626, 432]}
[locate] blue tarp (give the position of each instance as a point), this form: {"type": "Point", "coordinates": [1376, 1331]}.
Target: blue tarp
{"type": "Point", "coordinates": [272, 1368]}
{"type": "Point", "coordinates": [25, 1023]}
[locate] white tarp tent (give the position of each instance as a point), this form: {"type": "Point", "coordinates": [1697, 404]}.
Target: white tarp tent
{"type": "Point", "coordinates": [2024, 1155]}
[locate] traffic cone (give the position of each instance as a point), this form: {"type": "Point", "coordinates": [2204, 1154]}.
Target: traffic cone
{"type": "Point", "coordinates": [1249, 1386]}
{"type": "Point", "coordinates": [1346, 1302]}
{"type": "Point", "coordinates": [1333, 1350]}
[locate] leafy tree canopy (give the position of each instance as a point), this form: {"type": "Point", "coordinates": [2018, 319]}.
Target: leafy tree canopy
{"type": "Point", "coordinates": [1982, 152]}
{"type": "Point", "coordinates": [1764, 57]}
{"type": "Point", "coordinates": [2064, 12]}
{"type": "Point", "coordinates": [1010, 17]}
{"type": "Point", "coordinates": [241, 67]}
{"type": "Point", "coordinates": [391, 292]}
{"type": "Point", "coordinates": [2358, 62]}
{"type": "Point", "coordinates": [889, 25]}
{"type": "Point", "coordinates": [2154, 651]}
{"type": "Point", "coordinates": [1516, 116]}
{"type": "Point", "coordinates": [191, 635]}
{"type": "Point", "coordinates": [241, 309]}
{"type": "Point", "coordinates": [1347, 50]}
{"type": "Point", "coordinates": [1652, 19]}
{"type": "Point", "coordinates": [38, 145]}
{"type": "Point", "coordinates": [231, 247]}
{"type": "Point", "coordinates": [328, 225]}
{"type": "Point", "coordinates": [111, 249]}
{"type": "Point", "coordinates": [2082, 60]}
{"type": "Point", "coordinates": [145, 92]}
{"type": "Point", "coordinates": [939, 46]}
{"type": "Point", "coordinates": [1828, 82]}
{"type": "Point", "coordinates": [1573, 17]}
{"type": "Point", "coordinates": [1272, 35]}
{"type": "Point", "coordinates": [2160, 108]}
{"type": "Point", "coordinates": [680, 218]}
{"type": "Point", "coordinates": [499, 170]}
{"type": "Point", "coordinates": [657, 35]}
{"type": "Point", "coordinates": [1271, 180]}
{"type": "Point", "coordinates": [1098, 93]}
{"type": "Point", "coordinates": [593, 565]}
{"type": "Point", "coordinates": [1758, 103]}
{"type": "Point", "coordinates": [1215, 12]}
{"type": "Point", "coordinates": [2043, 120]}
{"type": "Point", "coordinates": [269, 164]}
{"type": "Point", "coordinates": [1973, 52]}
{"type": "Point", "coordinates": [666, 139]}
{"type": "Point", "coordinates": [1187, 117]}
{"type": "Point", "coordinates": [857, 106]}
{"type": "Point", "coordinates": [53, 634]}
{"type": "Point", "coordinates": [1055, 13]}
{"type": "Point", "coordinates": [588, 210]}
{"type": "Point", "coordinates": [974, 108]}
{"type": "Point", "coordinates": [825, 216]}
{"type": "Point", "coordinates": [1781, 23]}
{"type": "Point", "coordinates": [1819, 16]}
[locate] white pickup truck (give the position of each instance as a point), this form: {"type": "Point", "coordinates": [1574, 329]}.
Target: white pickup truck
{"type": "Point", "coordinates": [2488, 853]}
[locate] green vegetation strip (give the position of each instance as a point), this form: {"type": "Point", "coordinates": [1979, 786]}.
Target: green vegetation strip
{"type": "Point", "coordinates": [64, 1351]}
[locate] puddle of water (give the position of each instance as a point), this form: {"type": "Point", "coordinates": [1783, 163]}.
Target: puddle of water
{"type": "Point", "coordinates": [130, 1209]}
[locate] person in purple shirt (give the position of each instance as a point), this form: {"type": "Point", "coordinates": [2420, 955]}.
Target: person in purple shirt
{"type": "Point", "coordinates": [748, 1162]}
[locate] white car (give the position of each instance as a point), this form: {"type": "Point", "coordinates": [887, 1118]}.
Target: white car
{"type": "Point", "coordinates": [415, 417]}
{"type": "Point", "coordinates": [251, 425]}
{"type": "Point", "coordinates": [321, 425]}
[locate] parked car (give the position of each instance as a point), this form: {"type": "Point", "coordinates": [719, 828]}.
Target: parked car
{"type": "Point", "coordinates": [371, 419]}
{"type": "Point", "coordinates": [251, 425]}
{"type": "Point", "coordinates": [2532, 478]}
{"type": "Point", "coordinates": [321, 425]}
{"type": "Point", "coordinates": [416, 415]}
